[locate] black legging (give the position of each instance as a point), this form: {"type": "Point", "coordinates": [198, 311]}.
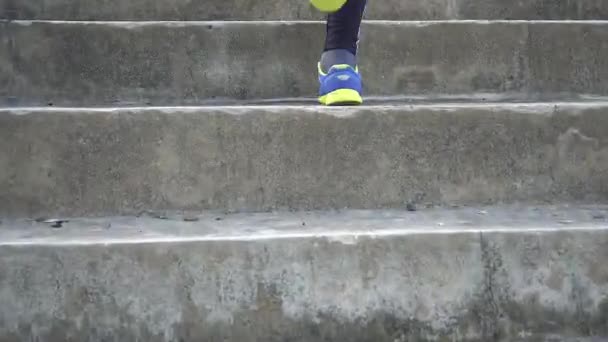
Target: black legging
{"type": "Point", "coordinates": [343, 27]}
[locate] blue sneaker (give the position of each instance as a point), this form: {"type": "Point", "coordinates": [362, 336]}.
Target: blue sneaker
{"type": "Point", "coordinates": [340, 86]}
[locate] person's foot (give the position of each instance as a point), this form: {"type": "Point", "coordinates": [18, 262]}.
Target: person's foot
{"type": "Point", "coordinates": [340, 86]}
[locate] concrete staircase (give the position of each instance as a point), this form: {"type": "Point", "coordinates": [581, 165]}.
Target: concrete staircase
{"type": "Point", "coordinates": [163, 179]}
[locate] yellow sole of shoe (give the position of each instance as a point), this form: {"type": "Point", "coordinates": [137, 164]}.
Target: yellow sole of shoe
{"type": "Point", "coordinates": [341, 97]}
{"type": "Point", "coordinates": [328, 6]}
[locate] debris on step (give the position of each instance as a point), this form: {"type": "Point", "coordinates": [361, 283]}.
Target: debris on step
{"type": "Point", "coordinates": [55, 223]}
{"type": "Point", "coordinates": [191, 219]}
{"type": "Point", "coordinates": [152, 214]}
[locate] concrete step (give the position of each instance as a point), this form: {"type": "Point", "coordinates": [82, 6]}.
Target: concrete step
{"type": "Point", "coordinates": [298, 9]}
{"type": "Point", "coordinates": [475, 274]}
{"type": "Point", "coordinates": [84, 161]}
{"type": "Point", "coordinates": [164, 63]}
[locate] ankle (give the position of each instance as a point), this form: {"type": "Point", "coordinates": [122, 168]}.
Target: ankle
{"type": "Point", "coordinates": [337, 56]}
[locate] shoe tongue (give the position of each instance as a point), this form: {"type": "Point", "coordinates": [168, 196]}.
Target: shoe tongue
{"type": "Point", "coordinates": [340, 67]}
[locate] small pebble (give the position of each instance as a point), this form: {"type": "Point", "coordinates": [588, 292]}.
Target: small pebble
{"type": "Point", "coordinates": [303, 223]}
{"type": "Point", "coordinates": [218, 218]}
{"type": "Point", "coordinates": [411, 207]}
{"type": "Point", "coordinates": [566, 221]}
{"type": "Point", "coordinates": [599, 217]}
{"type": "Point", "coordinates": [191, 219]}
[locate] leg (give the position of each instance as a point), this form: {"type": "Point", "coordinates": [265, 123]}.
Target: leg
{"type": "Point", "coordinates": [343, 35]}
{"type": "Point", "coordinates": [340, 82]}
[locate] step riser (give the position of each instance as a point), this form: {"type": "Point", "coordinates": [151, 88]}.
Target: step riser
{"type": "Point", "coordinates": [465, 287]}
{"type": "Point", "coordinates": [87, 163]}
{"type": "Point", "coordinates": [298, 9]}
{"type": "Point", "coordinates": [95, 64]}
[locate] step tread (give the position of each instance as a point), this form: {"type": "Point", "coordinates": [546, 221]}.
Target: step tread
{"type": "Point", "coordinates": [335, 288]}
{"type": "Point", "coordinates": [179, 23]}
{"type": "Point", "coordinates": [119, 161]}
{"type": "Point", "coordinates": [344, 225]}
{"type": "Point", "coordinates": [160, 63]}
{"type": "Point", "coordinates": [422, 287]}
{"type": "Point", "coordinates": [299, 9]}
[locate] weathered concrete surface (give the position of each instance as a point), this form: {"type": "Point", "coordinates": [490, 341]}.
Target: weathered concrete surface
{"type": "Point", "coordinates": [122, 161]}
{"type": "Point", "coordinates": [88, 63]}
{"type": "Point", "coordinates": [298, 9]}
{"type": "Point", "coordinates": [350, 276]}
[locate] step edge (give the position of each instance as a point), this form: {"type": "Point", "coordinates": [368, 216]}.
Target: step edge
{"type": "Point", "coordinates": [515, 106]}
{"type": "Point", "coordinates": [345, 237]}
{"type": "Point", "coordinates": [415, 23]}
